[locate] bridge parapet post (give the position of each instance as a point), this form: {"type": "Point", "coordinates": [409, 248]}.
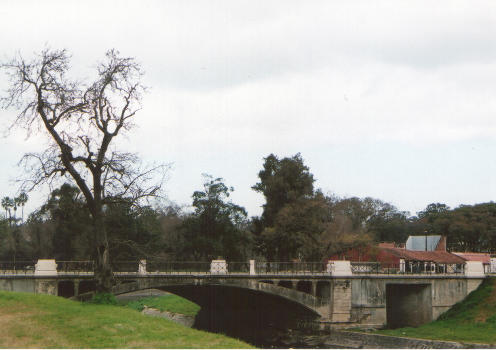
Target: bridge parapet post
{"type": "Point", "coordinates": [252, 267]}
{"type": "Point", "coordinates": [218, 267]}
{"type": "Point", "coordinates": [45, 267]}
{"type": "Point", "coordinates": [474, 269]}
{"type": "Point", "coordinates": [142, 267]}
{"type": "Point", "coordinates": [339, 268]}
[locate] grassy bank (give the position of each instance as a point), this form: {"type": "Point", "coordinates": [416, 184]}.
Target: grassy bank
{"type": "Point", "coordinates": [43, 321]}
{"type": "Point", "coordinates": [168, 302]}
{"type": "Point", "coordinates": [472, 320]}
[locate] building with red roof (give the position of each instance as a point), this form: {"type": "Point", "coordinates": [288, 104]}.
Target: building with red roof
{"type": "Point", "coordinates": [418, 253]}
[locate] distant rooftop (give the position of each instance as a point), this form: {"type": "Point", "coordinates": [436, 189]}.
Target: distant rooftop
{"type": "Point", "coordinates": [484, 257]}
{"type": "Point", "coordinates": [440, 257]}
{"type": "Point", "coordinates": [423, 243]}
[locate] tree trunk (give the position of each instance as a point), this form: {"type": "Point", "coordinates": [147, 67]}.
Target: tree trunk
{"type": "Point", "coordinates": [103, 269]}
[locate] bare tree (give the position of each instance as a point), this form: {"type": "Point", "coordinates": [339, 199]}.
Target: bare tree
{"type": "Point", "coordinates": [81, 122]}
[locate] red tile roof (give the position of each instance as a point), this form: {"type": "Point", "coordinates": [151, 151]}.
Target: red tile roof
{"type": "Point", "coordinates": [484, 257]}
{"type": "Point", "coordinates": [440, 257]}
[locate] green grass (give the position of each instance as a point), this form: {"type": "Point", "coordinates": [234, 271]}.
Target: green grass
{"type": "Point", "coordinates": [44, 321]}
{"type": "Point", "coordinates": [472, 320]}
{"type": "Point", "coordinates": [168, 302]}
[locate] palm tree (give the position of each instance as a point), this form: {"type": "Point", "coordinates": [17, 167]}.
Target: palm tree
{"type": "Point", "coordinates": [21, 201]}
{"type": "Point", "coordinates": [8, 203]}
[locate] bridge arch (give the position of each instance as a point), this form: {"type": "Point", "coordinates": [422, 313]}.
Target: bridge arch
{"type": "Point", "coordinates": [197, 290]}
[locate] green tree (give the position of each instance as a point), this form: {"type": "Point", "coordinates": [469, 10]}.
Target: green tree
{"type": "Point", "coordinates": [217, 226]}
{"type": "Point", "coordinates": [21, 201]}
{"type": "Point", "coordinates": [71, 221]}
{"type": "Point", "coordinates": [297, 230]}
{"type": "Point", "coordinates": [282, 181]}
{"type": "Point", "coordinates": [7, 204]}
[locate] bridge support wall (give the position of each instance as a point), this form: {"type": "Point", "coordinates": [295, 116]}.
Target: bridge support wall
{"type": "Point", "coordinates": [30, 285]}
{"type": "Point", "coordinates": [417, 299]}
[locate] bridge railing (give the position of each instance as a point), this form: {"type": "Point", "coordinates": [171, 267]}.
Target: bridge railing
{"type": "Point", "coordinates": [125, 266]}
{"type": "Point", "coordinates": [242, 267]}
{"type": "Point", "coordinates": [177, 267]}
{"type": "Point", "coordinates": [406, 268]}
{"type": "Point", "coordinates": [291, 268]}
{"type": "Point", "coordinates": [252, 267]}
{"type": "Point", "coordinates": [18, 267]}
{"type": "Point", "coordinates": [489, 268]}
{"type": "Point", "coordinates": [75, 267]}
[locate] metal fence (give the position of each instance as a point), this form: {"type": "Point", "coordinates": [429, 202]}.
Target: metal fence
{"type": "Point", "coordinates": [75, 267]}
{"type": "Point", "coordinates": [488, 268]}
{"type": "Point", "coordinates": [18, 267]}
{"type": "Point", "coordinates": [291, 268]}
{"type": "Point", "coordinates": [177, 267]}
{"type": "Point", "coordinates": [406, 268]}
{"type": "Point", "coordinates": [125, 266]}
{"type": "Point", "coordinates": [239, 267]}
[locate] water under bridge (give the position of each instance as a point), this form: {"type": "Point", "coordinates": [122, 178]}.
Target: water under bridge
{"type": "Point", "coordinates": [337, 293]}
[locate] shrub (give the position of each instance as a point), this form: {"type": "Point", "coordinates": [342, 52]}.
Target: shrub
{"type": "Point", "coordinates": [104, 298]}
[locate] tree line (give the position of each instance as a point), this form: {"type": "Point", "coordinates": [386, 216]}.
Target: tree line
{"type": "Point", "coordinates": [298, 223]}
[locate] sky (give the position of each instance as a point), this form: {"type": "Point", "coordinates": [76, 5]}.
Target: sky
{"type": "Point", "coordinates": [393, 100]}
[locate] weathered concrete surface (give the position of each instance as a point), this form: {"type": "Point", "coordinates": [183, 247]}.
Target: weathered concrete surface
{"type": "Point", "coordinates": [408, 305]}
{"type": "Point", "coordinates": [46, 286]}
{"type": "Point", "coordinates": [340, 305]}
{"type": "Point", "coordinates": [376, 341]}
{"type": "Point", "coordinates": [18, 285]}
{"type": "Point", "coordinates": [29, 285]}
{"type": "Point", "coordinates": [369, 297]}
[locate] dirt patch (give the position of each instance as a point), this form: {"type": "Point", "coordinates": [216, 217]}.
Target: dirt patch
{"type": "Point", "coordinates": [487, 310]}
{"type": "Point", "coordinates": [184, 320]}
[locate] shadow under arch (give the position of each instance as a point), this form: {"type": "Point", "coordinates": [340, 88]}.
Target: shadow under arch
{"type": "Point", "coordinates": [254, 315]}
{"type": "Point", "coordinates": [251, 315]}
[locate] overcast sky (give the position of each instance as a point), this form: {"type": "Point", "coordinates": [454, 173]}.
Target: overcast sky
{"type": "Point", "coordinates": [395, 99]}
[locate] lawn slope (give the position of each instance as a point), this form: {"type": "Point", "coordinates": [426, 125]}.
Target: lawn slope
{"type": "Point", "coordinates": [44, 321]}
{"type": "Point", "coordinates": [471, 320]}
{"type": "Point", "coordinates": [168, 302]}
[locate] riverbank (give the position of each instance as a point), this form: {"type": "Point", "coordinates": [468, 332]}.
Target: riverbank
{"type": "Point", "coordinates": [157, 303]}
{"type": "Point", "coordinates": [44, 321]}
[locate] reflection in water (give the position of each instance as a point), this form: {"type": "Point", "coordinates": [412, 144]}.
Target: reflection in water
{"type": "Point", "coordinates": [253, 329]}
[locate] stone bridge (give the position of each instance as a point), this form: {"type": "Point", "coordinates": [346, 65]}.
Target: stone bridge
{"type": "Point", "coordinates": [337, 297]}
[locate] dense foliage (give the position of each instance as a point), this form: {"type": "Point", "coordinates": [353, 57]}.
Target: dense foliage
{"type": "Point", "coordinates": [298, 223]}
